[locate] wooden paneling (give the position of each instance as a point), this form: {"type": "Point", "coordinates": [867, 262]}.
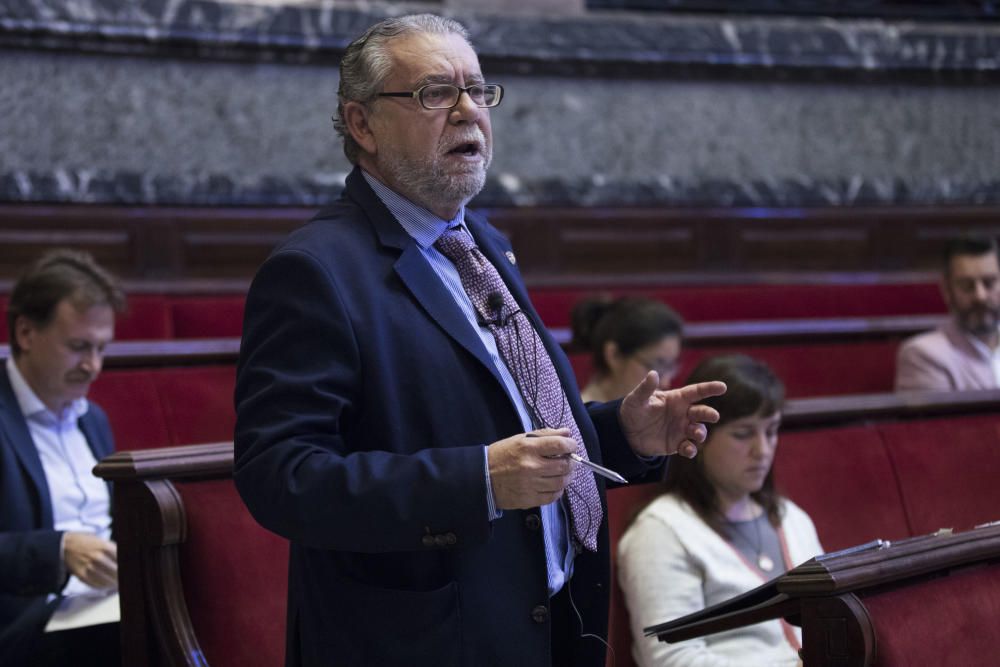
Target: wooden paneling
{"type": "Point", "coordinates": [222, 247]}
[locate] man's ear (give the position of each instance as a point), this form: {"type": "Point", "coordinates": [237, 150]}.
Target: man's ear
{"type": "Point", "coordinates": [23, 330]}
{"type": "Point", "coordinates": [357, 118]}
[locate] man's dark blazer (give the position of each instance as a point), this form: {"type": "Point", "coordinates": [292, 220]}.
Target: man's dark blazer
{"type": "Point", "coordinates": [364, 399]}
{"type": "Point", "coordinates": [30, 564]}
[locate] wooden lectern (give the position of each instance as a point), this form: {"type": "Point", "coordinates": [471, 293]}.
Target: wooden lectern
{"type": "Point", "coordinates": [929, 600]}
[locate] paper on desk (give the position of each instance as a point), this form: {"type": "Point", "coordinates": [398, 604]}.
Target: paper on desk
{"type": "Point", "coordinates": [78, 611]}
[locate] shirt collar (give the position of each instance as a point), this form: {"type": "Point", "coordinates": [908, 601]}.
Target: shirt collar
{"type": "Point", "coordinates": [421, 224]}
{"type": "Point", "coordinates": [980, 346]}
{"type": "Point", "coordinates": [29, 402]}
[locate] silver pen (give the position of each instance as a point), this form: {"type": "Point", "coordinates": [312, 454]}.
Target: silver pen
{"type": "Point", "coordinates": [607, 473]}
{"type": "Point", "coordinates": [599, 470]}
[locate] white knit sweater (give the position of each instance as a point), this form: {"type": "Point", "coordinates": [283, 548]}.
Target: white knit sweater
{"type": "Point", "coordinates": [671, 563]}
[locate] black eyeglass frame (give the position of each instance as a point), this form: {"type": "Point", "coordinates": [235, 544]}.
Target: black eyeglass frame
{"type": "Point", "coordinates": [417, 95]}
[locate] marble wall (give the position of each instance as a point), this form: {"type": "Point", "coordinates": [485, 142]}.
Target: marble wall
{"type": "Point", "coordinates": [210, 103]}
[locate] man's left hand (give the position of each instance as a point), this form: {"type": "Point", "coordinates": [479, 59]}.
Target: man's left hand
{"type": "Point", "coordinates": [660, 422]}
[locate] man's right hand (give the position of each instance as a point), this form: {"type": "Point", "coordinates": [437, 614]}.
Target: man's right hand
{"type": "Point", "coordinates": [92, 560]}
{"type": "Point", "coordinates": [529, 470]}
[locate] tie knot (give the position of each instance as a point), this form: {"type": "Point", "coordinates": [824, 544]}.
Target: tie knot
{"type": "Point", "coordinates": [455, 244]}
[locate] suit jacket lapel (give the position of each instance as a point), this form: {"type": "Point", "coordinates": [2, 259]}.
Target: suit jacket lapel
{"type": "Point", "coordinates": [416, 274]}
{"type": "Point", "coordinates": [15, 432]}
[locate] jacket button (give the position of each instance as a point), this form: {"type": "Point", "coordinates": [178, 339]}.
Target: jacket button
{"type": "Point", "coordinates": [427, 540]}
{"type": "Point", "coordinates": [450, 539]}
{"type": "Point", "coordinates": [540, 614]}
{"type": "Point", "coordinates": [532, 522]}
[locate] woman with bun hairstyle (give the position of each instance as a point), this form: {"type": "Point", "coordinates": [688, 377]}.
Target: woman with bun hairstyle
{"type": "Point", "coordinates": [626, 338]}
{"type": "Point", "coordinates": [719, 530]}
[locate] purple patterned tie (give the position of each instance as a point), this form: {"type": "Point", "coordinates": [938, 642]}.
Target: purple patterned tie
{"type": "Point", "coordinates": [524, 353]}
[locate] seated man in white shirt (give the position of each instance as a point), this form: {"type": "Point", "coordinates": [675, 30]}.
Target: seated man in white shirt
{"type": "Point", "coordinates": [55, 522]}
{"type": "Point", "coordinates": [964, 353]}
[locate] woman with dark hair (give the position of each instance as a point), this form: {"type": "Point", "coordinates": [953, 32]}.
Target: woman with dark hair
{"type": "Point", "coordinates": [719, 530]}
{"type": "Point", "coordinates": [626, 337]}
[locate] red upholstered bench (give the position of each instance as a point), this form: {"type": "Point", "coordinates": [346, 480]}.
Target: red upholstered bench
{"type": "Point", "coordinates": [207, 316]}
{"type": "Point", "coordinates": [235, 577]}
{"type": "Point", "coordinates": [156, 407]}
{"type": "Point", "coordinates": [147, 317]}
{"type": "Point", "coordinates": [944, 621]}
{"type": "Point", "coordinates": [819, 369]}
{"type": "Point", "coordinates": [707, 303]}
{"type": "Point", "coordinates": [946, 469]}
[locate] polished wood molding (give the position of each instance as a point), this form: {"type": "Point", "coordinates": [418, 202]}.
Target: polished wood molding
{"type": "Point", "coordinates": [799, 330]}
{"type": "Point", "coordinates": [218, 249]}
{"type": "Point", "coordinates": [842, 410]}
{"type": "Point", "coordinates": [890, 562]}
{"type": "Point", "coordinates": [186, 462]}
{"type": "Point", "coordinates": [204, 351]}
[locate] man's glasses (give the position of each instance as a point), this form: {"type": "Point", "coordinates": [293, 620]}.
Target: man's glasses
{"type": "Point", "coordinates": [446, 96]}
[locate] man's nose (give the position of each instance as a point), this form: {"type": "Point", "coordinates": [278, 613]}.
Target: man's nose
{"type": "Point", "coordinates": [465, 110]}
{"type": "Point", "coordinates": [980, 293]}
{"type": "Point", "coordinates": [92, 361]}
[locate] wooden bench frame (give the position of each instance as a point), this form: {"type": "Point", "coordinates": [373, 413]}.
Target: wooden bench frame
{"type": "Point", "coordinates": [150, 522]}
{"type": "Point", "coordinates": [199, 351]}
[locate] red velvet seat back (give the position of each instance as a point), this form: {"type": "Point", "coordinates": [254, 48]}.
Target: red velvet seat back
{"type": "Point", "coordinates": [843, 478]}
{"type": "Point", "coordinates": [198, 403]}
{"type": "Point", "coordinates": [147, 318]}
{"type": "Point", "coordinates": [235, 577]}
{"type": "Point", "coordinates": [623, 504]}
{"type": "Point", "coordinates": [167, 406]}
{"type": "Point", "coordinates": [822, 369]}
{"type": "Point", "coordinates": [703, 303]}
{"type": "Point", "coordinates": [947, 469]}
{"type": "Point", "coordinates": [132, 403]}
{"type": "Point", "coordinates": [207, 316]}
{"type": "Point", "coordinates": [947, 621]}
{"type": "Point", "coordinates": [816, 369]}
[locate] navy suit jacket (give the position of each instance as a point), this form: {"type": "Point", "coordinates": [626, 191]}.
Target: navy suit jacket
{"type": "Point", "coordinates": [364, 399]}
{"type": "Point", "coordinates": [30, 565]}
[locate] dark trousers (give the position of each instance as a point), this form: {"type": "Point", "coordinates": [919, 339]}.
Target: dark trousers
{"type": "Point", "coordinates": [94, 646]}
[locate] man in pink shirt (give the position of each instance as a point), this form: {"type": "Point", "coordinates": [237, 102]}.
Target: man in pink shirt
{"type": "Point", "coordinates": [964, 353]}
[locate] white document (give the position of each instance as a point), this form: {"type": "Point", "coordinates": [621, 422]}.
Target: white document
{"type": "Point", "coordinates": [81, 610]}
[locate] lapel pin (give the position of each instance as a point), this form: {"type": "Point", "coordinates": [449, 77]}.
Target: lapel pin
{"type": "Point", "coordinates": [510, 257]}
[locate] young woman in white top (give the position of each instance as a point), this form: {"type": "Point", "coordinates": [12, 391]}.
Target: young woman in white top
{"type": "Point", "coordinates": [719, 530]}
{"type": "Point", "coordinates": [626, 338]}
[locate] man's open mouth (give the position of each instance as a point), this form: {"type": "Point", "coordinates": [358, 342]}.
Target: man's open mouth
{"type": "Point", "coordinates": [469, 149]}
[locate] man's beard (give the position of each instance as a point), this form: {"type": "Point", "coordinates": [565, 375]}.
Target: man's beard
{"type": "Point", "coordinates": [425, 179]}
{"type": "Point", "coordinates": [979, 320]}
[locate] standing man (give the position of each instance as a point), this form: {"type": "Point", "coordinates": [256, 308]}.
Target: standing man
{"type": "Point", "coordinates": [55, 522]}
{"type": "Point", "coordinates": [965, 352]}
{"type": "Point", "coordinates": [404, 418]}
